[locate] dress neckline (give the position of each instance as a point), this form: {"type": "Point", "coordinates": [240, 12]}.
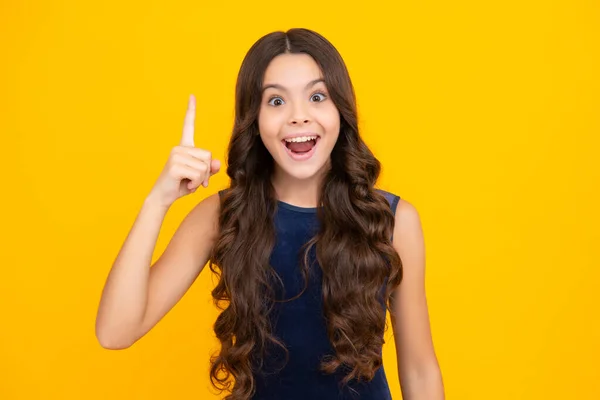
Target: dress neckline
{"type": "Point", "coordinates": [310, 210]}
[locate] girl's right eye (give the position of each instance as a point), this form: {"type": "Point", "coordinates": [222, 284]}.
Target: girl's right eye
{"type": "Point", "coordinates": [275, 101]}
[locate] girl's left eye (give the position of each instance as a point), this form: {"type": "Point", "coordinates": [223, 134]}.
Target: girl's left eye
{"type": "Point", "coordinates": [317, 97]}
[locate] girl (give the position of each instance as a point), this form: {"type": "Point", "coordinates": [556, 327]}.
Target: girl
{"type": "Point", "coordinates": [309, 254]}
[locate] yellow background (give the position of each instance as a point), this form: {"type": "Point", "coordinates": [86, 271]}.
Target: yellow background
{"type": "Point", "coordinates": [485, 115]}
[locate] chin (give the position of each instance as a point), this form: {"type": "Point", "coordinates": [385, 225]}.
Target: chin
{"type": "Point", "coordinates": [304, 172]}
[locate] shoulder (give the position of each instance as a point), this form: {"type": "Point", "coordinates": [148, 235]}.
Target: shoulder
{"type": "Point", "coordinates": [211, 203]}
{"type": "Point", "coordinates": [407, 222]}
{"type": "Point", "coordinates": [407, 213]}
{"type": "Point", "coordinates": [206, 214]}
{"type": "Point", "coordinates": [403, 210]}
{"type": "Point", "coordinates": [408, 230]}
{"type": "Point", "coordinates": [392, 198]}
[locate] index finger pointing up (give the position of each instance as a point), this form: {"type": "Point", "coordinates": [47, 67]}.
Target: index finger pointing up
{"type": "Point", "coordinates": [187, 138]}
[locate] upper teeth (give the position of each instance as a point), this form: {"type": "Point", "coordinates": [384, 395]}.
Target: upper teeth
{"type": "Point", "coordinates": [301, 139]}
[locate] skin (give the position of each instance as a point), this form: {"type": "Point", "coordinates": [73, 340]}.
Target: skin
{"type": "Point", "coordinates": [296, 101]}
{"type": "Point", "coordinates": [418, 369]}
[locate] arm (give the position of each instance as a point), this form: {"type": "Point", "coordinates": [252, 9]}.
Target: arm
{"type": "Point", "coordinates": [418, 369]}
{"type": "Point", "coordinates": [137, 296]}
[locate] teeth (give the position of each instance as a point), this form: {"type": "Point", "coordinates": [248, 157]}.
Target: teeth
{"type": "Point", "coordinates": [301, 139]}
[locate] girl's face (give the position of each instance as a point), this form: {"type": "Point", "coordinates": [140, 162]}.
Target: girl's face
{"type": "Point", "coordinates": [298, 122]}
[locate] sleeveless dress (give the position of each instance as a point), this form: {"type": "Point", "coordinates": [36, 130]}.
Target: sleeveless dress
{"type": "Point", "coordinates": [300, 323]}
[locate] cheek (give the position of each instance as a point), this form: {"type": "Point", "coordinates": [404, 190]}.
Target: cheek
{"type": "Point", "coordinates": [269, 123]}
{"type": "Point", "coordinates": [330, 120]}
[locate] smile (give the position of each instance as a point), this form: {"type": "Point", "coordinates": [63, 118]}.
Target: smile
{"type": "Point", "coordinates": [301, 151]}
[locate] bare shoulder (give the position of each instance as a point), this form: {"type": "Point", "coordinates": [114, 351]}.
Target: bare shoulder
{"type": "Point", "coordinates": [409, 242]}
{"type": "Point", "coordinates": [407, 221]}
{"type": "Point", "coordinates": [205, 214]}
{"type": "Point", "coordinates": [198, 230]}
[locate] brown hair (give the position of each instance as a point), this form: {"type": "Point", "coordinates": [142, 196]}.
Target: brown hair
{"type": "Point", "coordinates": [353, 244]}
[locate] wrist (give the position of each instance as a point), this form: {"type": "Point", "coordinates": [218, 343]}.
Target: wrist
{"type": "Point", "coordinates": [153, 203]}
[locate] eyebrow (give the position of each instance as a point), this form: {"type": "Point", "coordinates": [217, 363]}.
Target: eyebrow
{"type": "Point", "coordinates": [278, 86]}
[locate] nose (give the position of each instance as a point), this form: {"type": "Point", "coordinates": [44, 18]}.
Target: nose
{"type": "Point", "coordinates": [296, 121]}
{"type": "Point", "coordinates": [299, 115]}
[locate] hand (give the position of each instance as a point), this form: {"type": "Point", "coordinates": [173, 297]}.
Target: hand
{"type": "Point", "coordinates": [187, 168]}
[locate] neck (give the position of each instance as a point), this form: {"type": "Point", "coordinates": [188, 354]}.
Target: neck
{"type": "Point", "coordinates": [298, 192]}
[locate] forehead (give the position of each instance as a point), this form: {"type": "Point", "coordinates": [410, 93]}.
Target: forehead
{"type": "Point", "coordinates": [292, 70]}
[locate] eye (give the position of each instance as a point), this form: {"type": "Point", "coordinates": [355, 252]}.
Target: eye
{"type": "Point", "coordinates": [275, 101]}
{"type": "Point", "coordinates": [318, 97]}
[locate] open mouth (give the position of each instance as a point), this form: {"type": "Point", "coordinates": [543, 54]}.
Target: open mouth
{"type": "Point", "coordinates": [301, 150]}
{"type": "Point", "coordinates": [301, 147]}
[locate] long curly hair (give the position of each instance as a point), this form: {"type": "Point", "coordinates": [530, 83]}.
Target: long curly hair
{"type": "Point", "coordinates": [353, 243]}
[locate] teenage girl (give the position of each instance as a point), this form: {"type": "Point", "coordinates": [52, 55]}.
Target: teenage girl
{"type": "Point", "coordinates": [309, 254]}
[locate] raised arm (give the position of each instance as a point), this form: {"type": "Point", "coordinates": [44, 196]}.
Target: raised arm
{"type": "Point", "coordinates": [137, 295]}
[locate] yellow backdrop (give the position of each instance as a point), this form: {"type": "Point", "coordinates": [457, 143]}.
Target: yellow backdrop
{"type": "Point", "coordinates": [484, 115]}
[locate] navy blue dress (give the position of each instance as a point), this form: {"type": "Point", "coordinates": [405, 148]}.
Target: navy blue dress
{"type": "Point", "coordinates": [300, 323]}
